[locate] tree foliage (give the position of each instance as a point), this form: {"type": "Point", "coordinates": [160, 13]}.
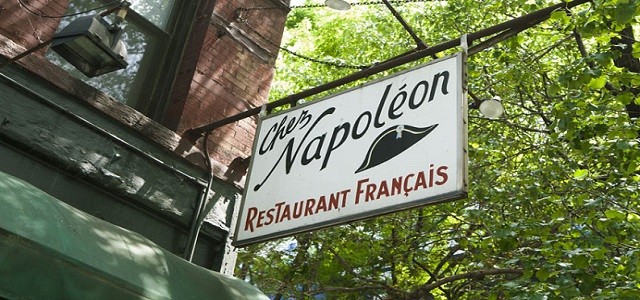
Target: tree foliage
{"type": "Point", "coordinates": [553, 209]}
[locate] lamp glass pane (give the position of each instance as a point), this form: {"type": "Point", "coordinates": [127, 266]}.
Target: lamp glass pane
{"type": "Point", "coordinates": [338, 4]}
{"type": "Point", "coordinates": [84, 47]}
{"type": "Point", "coordinates": [491, 108]}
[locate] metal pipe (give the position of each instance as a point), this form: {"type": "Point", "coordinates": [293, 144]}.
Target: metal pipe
{"type": "Point", "coordinates": [494, 40]}
{"type": "Point", "coordinates": [419, 43]}
{"type": "Point", "coordinates": [196, 224]}
{"type": "Point", "coordinates": [522, 22]}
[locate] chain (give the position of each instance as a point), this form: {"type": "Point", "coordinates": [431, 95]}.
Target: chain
{"type": "Point", "coordinates": [30, 10]}
{"type": "Point", "coordinates": [329, 63]}
{"type": "Point", "coordinates": [315, 60]}
{"type": "Point", "coordinates": [390, 1]}
{"type": "Point", "coordinates": [361, 3]}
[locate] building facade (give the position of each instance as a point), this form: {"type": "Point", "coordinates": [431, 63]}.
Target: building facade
{"type": "Point", "coordinates": [114, 146]}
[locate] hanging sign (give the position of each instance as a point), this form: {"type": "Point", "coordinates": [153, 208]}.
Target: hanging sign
{"type": "Point", "coordinates": [393, 144]}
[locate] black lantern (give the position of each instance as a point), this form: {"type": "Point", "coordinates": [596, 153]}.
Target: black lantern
{"type": "Point", "coordinates": [92, 45]}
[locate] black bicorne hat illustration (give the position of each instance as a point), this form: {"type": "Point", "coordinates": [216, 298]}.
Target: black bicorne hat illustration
{"type": "Point", "coordinates": [392, 142]}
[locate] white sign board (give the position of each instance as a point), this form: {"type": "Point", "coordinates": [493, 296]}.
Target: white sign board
{"type": "Point", "coordinates": [393, 144]}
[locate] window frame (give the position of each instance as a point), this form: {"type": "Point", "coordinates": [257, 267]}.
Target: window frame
{"type": "Point", "coordinates": [150, 91]}
{"type": "Point", "coordinates": [181, 22]}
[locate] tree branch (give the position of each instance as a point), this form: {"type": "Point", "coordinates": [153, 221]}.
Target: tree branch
{"type": "Point", "coordinates": [350, 270]}
{"type": "Point", "coordinates": [470, 275]}
{"type": "Point", "coordinates": [443, 261]}
{"type": "Point", "coordinates": [352, 289]}
{"type": "Point", "coordinates": [506, 122]}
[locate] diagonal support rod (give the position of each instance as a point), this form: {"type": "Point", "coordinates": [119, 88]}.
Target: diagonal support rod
{"type": "Point", "coordinates": [419, 43]}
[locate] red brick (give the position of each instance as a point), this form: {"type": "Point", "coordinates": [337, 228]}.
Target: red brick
{"type": "Point", "coordinates": [25, 28]}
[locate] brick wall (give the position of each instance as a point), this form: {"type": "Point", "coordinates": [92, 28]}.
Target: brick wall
{"type": "Point", "coordinates": [229, 68]}
{"type": "Point", "coordinates": [20, 22]}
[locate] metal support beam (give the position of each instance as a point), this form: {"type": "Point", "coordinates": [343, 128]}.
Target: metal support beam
{"type": "Point", "coordinates": [25, 53]}
{"type": "Point", "coordinates": [513, 26]}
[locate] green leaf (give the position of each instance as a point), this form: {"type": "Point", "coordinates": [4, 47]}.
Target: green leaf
{"type": "Point", "coordinates": [584, 77]}
{"type": "Point", "coordinates": [630, 294]}
{"type": "Point", "coordinates": [626, 97]}
{"type": "Point", "coordinates": [636, 50]}
{"type": "Point", "coordinates": [554, 89]}
{"type": "Point", "coordinates": [558, 15]}
{"type": "Point", "coordinates": [615, 215]}
{"type": "Point", "coordinates": [593, 72]}
{"type": "Point", "coordinates": [580, 174]}
{"type": "Point", "coordinates": [587, 283]}
{"type": "Point", "coordinates": [588, 29]}
{"type": "Point", "coordinates": [542, 274]}
{"type": "Point", "coordinates": [632, 167]}
{"type": "Point", "coordinates": [623, 145]}
{"type": "Point", "coordinates": [625, 12]}
{"type": "Point", "coordinates": [580, 261]}
{"type": "Point", "coordinates": [598, 83]}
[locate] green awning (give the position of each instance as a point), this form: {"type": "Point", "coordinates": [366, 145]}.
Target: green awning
{"type": "Point", "coordinates": [50, 250]}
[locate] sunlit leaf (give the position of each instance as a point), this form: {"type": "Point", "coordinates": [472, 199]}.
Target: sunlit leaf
{"type": "Point", "coordinates": [580, 174]}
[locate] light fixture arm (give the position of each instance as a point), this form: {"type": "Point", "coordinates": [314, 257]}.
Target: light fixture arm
{"type": "Point", "coordinates": [123, 4]}
{"type": "Point", "coordinates": [476, 101]}
{"type": "Point", "coordinates": [116, 27]}
{"type": "Point", "coordinates": [25, 53]}
{"type": "Point", "coordinates": [123, 8]}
